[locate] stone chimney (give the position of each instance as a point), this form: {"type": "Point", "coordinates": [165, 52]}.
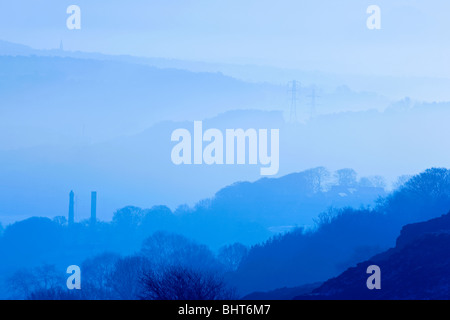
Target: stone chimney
{"type": "Point", "coordinates": [93, 207]}
{"type": "Point", "coordinates": [71, 208]}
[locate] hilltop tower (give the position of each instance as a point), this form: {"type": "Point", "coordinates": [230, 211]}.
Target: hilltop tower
{"type": "Point", "coordinates": [93, 207]}
{"type": "Point", "coordinates": [71, 208]}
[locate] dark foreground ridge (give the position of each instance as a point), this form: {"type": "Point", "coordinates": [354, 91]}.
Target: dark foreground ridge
{"type": "Point", "coordinates": [416, 269]}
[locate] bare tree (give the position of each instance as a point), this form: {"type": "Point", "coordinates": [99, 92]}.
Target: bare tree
{"type": "Point", "coordinates": [96, 275]}
{"type": "Point", "coordinates": [232, 255]}
{"type": "Point", "coordinates": [125, 279]}
{"type": "Point", "coordinates": [166, 249]}
{"type": "Point", "coordinates": [27, 281]}
{"type": "Point", "coordinates": [318, 178]}
{"type": "Point", "coordinates": [179, 283]}
{"type": "Point", "coordinates": [21, 284]}
{"type": "Point", "coordinates": [346, 177]}
{"type": "Point", "coordinates": [325, 217]}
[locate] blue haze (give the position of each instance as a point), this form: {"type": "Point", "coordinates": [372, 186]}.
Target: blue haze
{"type": "Point", "coordinates": [97, 115]}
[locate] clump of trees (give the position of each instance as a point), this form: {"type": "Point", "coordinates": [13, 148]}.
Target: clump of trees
{"type": "Point", "coordinates": [190, 270]}
{"type": "Point", "coordinates": [180, 283]}
{"type": "Point", "coordinates": [344, 237]}
{"type": "Point", "coordinates": [25, 282]}
{"type": "Point", "coordinates": [232, 255]}
{"type": "Point", "coordinates": [168, 266]}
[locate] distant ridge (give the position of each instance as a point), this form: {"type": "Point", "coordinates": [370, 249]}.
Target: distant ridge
{"type": "Point", "coordinates": [13, 49]}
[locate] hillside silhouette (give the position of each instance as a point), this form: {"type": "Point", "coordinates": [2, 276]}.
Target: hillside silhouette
{"type": "Point", "coordinates": [115, 256]}
{"type": "Point", "coordinates": [415, 269]}
{"type": "Point", "coordinates": [137, 169]}
{"type": "Point", "coordinates": [343, 237]}
{"type": "Point", "coordinates": [262, 208]}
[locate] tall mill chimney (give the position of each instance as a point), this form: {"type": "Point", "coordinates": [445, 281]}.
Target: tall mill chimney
{"type": "Point", "coordinates": [71, 208]}
{"type": "Point", "coordinates": [93, 207]}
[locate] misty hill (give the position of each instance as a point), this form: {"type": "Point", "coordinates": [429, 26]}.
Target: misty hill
{"type": "Point", "coordinates": [415, 269]}
{"type": "Point", "coordinates": [92, 123]}
{"type": "Point", "coordinates": [62, 100]}
{"type": "Point", "coordinates": [55, 97]}
{"type": "Point", "coordinates": [290, 200]}
{"type": "Point", "coordinates": [137, 170]}
{"type": "Point", "coordinates": [15, 49]}
{"type": "Point", "coordinates": [332, 96]}
{"type": "Point", "coordinates": [246, 212]}
{"type": "Point", "coordinates": [229, 217]}
{"type": "Point", "coordinates": [343, 238]}
{"type": "Point", "coordinates": [333, 93]}
{"type": "Point", "coordinates": [370, 91]}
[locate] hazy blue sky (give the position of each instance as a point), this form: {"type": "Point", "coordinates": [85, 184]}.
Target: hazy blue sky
{"type": "Point", "coordinates": [321, 34]}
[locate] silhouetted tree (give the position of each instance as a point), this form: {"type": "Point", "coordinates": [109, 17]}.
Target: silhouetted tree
{"type": "Point", "coordinates": [317, 178]}
{"type": "Point", "coordinates": [325, 217]}
{"type": "Point", "coordinates": [128, 218]}
{"type": "Point", "coordinates": [125, 279]}
{"type": "Point", "coordinates": [422, 197]}
{"type": "Point", "coordinates": [401, 181]}
{"type": "Point", "coordinates": [26, 281]}
{"type": "Point", "coordinates": [96, 274]}
{"type": "Point", "coordinates": [346, 177]}
{"type": "Point", "coordinates": [231, 255]}
{"type": "Point", "coordinates": [157, 218]}
{"type": "Point", "coordinates": [179, 283]}
{"type": "Point", "coordinates": [165, 249]}
{"type": "Point", "coordinates": [21, 284]}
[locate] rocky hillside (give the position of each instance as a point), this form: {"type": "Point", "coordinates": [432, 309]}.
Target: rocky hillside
{"type": "Point", "coordinates": [417, 268]}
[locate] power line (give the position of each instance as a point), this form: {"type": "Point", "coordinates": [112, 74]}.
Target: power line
{"type": "Point", "coordinates": [294, 90]}
{"type": "Point", "coordinates": [313, 102]}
